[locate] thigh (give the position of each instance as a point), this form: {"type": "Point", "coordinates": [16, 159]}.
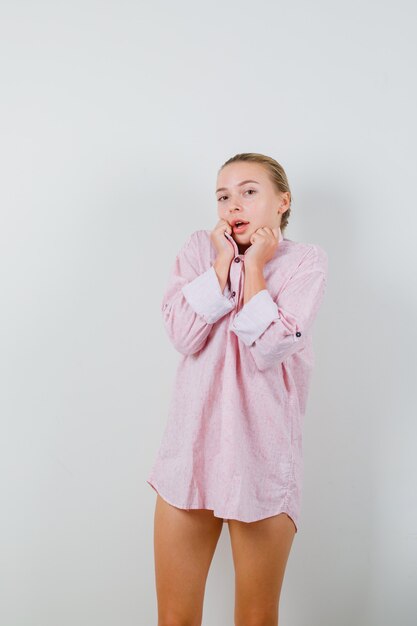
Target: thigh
{"type": "Point", "coordinates": [260, 553]}
{"type": "Point", "coordinates": [184, 545]}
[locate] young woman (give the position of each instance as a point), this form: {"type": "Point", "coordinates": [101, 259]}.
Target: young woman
{"type": "Point", "coordinates": [239, 307]}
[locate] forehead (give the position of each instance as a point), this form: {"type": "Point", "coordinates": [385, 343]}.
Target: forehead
{"type": "Point", "coordinates": [234, 173]}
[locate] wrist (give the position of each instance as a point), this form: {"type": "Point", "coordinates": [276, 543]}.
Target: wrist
{"type": "Point", "coordinates": [221, 267]}
{"type": "Point", "coordinates": [254, 267]}
{"type": "Point", "coordinates": [223, 260]}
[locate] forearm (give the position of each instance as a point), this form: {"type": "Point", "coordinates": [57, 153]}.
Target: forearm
{"type": "Point", "coordinates": [254, 281]}
{"type": "Point", "coordinates": [221, 266]}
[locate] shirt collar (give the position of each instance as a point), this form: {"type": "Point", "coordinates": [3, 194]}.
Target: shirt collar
{"type": "Point", "coordinates": [236, 249]}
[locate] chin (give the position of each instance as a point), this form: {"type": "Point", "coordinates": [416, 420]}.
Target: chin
{"type": "Point", "coordinates": [247, 234]}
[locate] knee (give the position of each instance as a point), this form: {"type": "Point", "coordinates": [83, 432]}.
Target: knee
{"type": "Point", "coordinates": [176, 620]}
{"type": "Point", "coordinates": [258, 618]}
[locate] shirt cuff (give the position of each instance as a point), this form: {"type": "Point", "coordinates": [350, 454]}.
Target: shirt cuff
{"type": "Point", "coordinates": [254, 317]}
{"type": "Point", "coordinates": [226, 291]}
{"type": "Point", "coordinates": [203, 294]}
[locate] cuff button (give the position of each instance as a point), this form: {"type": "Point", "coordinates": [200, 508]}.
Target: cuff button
{"type": "Point", "coordinates": [298, 334]}
{"type": "Point", "coordinates": [233, 293]}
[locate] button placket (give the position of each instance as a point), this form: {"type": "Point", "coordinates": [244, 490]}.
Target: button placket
{"type": "Point", "coordinates": [235, 270]}
{"type": "Point", "coordinates": [236, 280]}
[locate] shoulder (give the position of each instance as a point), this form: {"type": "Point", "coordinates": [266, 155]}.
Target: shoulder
{"type": "Point", "coordinates": [317, 256]}
{"type": "Point", "coordinates": [197, 249]}
{"type": "Point", "coordinates": [198, 243]}
{"type": "Point", "coordinates": [198, 238]}
{"type": "Point", "coordinates": [305, 255]}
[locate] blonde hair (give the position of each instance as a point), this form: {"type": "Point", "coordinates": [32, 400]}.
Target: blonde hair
{"type": "Point", "coordinates": [275, 172]}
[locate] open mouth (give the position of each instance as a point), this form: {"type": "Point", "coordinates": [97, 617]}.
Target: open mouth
{"type": "Point", "coordinates": [240, 227]}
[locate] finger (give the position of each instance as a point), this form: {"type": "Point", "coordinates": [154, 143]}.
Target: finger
{"type": "Point", "coordinates": [271, 231]}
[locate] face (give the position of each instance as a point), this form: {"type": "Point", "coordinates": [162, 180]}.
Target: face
{"type": "Point", "coordinates": [257, 202]}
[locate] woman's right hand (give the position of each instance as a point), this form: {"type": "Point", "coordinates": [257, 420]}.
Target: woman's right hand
{"type": "Point", "coordinates": [223, 247]}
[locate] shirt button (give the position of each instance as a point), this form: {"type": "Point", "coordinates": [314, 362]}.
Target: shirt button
{"type": "Point", "coordinates": [298, 334]}
{"type": "Point", "coordinates": [233, 293]}
{"type": "Point", "coordinates": [237, 260]}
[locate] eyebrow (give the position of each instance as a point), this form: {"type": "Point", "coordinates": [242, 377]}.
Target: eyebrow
{"type": "Point", "coordinates": [239, 185]}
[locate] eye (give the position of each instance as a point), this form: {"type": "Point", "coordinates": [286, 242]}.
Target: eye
{"type": "Point", "coordinates": [247, 191]}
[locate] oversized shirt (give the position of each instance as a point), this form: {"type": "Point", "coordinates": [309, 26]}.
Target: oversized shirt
{"type": "Point", "coordinates": [233, 438]}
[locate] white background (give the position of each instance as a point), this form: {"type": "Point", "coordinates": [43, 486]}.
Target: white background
{"type": "Point", "coordinates": [115, 118]}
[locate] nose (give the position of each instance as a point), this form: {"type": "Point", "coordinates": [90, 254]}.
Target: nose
{"type": "Point", "coordinates": [234, 200]}
{"type": "Point", "coordinates": [235, 206]}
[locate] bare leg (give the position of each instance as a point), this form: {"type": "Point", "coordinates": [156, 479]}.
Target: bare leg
{"type": "Point", "coordinates": [184, 545]}
{"type": "Point", "coordinates": [260, 553]}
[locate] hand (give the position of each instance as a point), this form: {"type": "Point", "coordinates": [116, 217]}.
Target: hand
{"type": "Point", "coordinates": [223, 247]}
{"type": "Point", "coordinates": [264, 244]}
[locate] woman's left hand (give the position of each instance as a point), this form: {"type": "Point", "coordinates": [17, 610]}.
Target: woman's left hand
{"type": "Point", "coordinates": [264, 244]}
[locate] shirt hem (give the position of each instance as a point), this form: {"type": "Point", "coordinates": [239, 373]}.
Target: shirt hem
{"type": "Point", "coordinates": [285, 510]}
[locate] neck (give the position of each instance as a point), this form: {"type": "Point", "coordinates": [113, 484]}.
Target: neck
{"type": "Point", "coordinates": [242, 247]}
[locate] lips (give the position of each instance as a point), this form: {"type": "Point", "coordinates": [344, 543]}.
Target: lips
{"type": "Point", "coordinates": [240, 226]}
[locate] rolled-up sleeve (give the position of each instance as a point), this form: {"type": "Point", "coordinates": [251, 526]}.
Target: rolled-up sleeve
{"type": "Point", "coordinates": [193, 300]}
{"type": "Point", "coordinates": [274, 330]}
{"type": "Point", "coordinates": [203, 294]}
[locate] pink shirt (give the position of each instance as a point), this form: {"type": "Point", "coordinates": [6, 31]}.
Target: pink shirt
{"type": "Point", "coordinates": [233, 439]}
